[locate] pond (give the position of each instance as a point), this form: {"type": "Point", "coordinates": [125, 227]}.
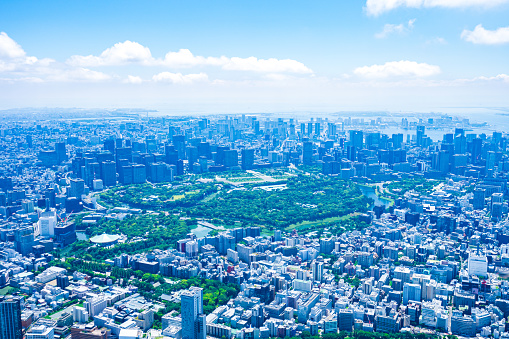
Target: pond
{"type": "Point", "coordinates": [201, 231]}
{"type": "Point", "coordinates": [370, 193]}
{"type": "Point", "coordinates": [81, 236]}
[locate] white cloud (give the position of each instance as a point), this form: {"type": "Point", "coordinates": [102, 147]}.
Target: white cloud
{"type": "Point", "coordinates": [480, 35]}
{"type": "Point", "coordinates": [377, 7]}
{"type": "Point", "coordinates": [131, 79]}
{"type": "Point", "coordinates": [266, 65]}
{"type": "Point", "coordinates": [398, 69]}
{"type": "Point", "coordinates": [437, 41]}
{"type": "Point", "coordinates": [179, 78]}
{"type": "Point", "coordinates": [399, 29]}
{"type": "Point", "coordinates": [120, 54]}
{"type": "Point", "coordinates": [500, 77]}
{"type": "Point", "coordinates": [129, 52]}
{"type": "Point", "coordinates": [77, 74]}
{"type": "Point", "coordinates": [9, 49]}
{"type": "Point", "coordinates": [184, 58]}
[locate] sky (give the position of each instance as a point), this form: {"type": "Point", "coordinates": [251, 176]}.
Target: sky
{"type": "Point", "coordinates": [255, 56]}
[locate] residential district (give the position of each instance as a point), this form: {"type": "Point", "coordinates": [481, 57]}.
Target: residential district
{"type": "Point", "coordinates": [427, 253]}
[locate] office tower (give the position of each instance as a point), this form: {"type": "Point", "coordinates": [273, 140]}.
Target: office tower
{"type": "Point", "coordinates": [247, 159]}
{"type": "Point", "coordinates": [24, 239]}
{"type": "Point", "coordinates": [357, 139]}
{"type": "Point", "coordinates": [420, 135]}
{"type": "Point", "coordinates": [109, 145]}
{"type": "Point", "coordinates": [10, 317]}
{"type": "Point", "coordinates": [477, 263]}
{"type": "Point", "coordinates": [77, 188]}
{"type": "Point", "coordinates": [307, 153]}
{"type": "Point", "coordinates": [171, 155]}
{"type": "Point", "coordinates": [476, 150]}
{"type": "Point", "coordinates": [204, 150]}
{"type": "Point", "coordinates": [460, 144]}
{"type": "Point", "coordinates": [345, 320]}
{"type": "Point", "coordinates": [490, 160]}
{"type": "Point", "coordinates": [231, 158]}
{"type": "Point", "coordinates": [193, 322]}
{"type": "Point", "coordinates": [479, 197]}
{"type": "Point", "coordinates": [126, 174]}
{"type": "Point", "coordinates": [192, 155]}
{"type": "Point", "coordinates": [139, 174]}
{"type": "Point", "coordinates": [397, 140]}
{"type": "Point", "coordinates": [302, 128]}
{"type": "Point", "coordinates": [47, 223]}
{"type": "Point", "coordinates": [317, 268]}
{"type": "Point", "coordinates": [60, 151]}
{"type": "Point", "coordinates": [5, 184]}
{"type": "Point", "coordinates": [109, 173]}
{"type": "Point", "coordinates": [151, 143]}
{"type": "Point", "coordinates": [332, 130]}
{"type": "Point", "coordinates": [318, 128]}
{"type": "Point", "coordinates": [179, 142]}
{"type": "Point", "coordinates": [256, 126]}
{"type": "Point", "coordinates": [411, 292]}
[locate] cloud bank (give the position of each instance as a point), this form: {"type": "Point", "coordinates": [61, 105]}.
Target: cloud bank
{"type": "Point", "coordinates": [130, 52]}
{"type": "Point", "coordinates": [377, 7]}
{"type": "Point", "coordinates": [403, 68]}
{"type": "Point", "coordinates": [483, 36]}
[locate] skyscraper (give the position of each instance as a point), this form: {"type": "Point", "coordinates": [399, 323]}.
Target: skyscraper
{"type": "Point", "coordinates": [10, 318]}
{"type": "Point", "coordinates": [194, 325]}
{"type": "Point", "coordinates": [247, 159]}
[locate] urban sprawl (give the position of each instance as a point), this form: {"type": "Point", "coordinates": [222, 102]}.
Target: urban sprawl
{"type": "Point", "coordinates": [252, 226]}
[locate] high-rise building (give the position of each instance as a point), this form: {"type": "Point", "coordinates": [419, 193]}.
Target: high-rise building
{"type": "Point", "coordinates": [420, 134]}
{"type": "Point", "coordinates": [47, 223]}
{"type": "Point", "coordinates": [476, 150]}
{"type": "Point", "coordinates": [477, 264]}
{"type": "Point", "coordinates": [247, 159]}
{"type": "Point", "coordinates": [193, 322]}
{"type": "Point", "coordinates": [10, 317]}
{"type": "Point", "coordinates": [139, 174]}
{"type": "Point", "coordinates": [307, 153]}
{"type": "Point", "coordinates": [60, 151]}
{"type": "Point", "coordinates": [479, 198]}
{"type": "Point", "coordinates": [77, 188]}
{"type": "Point", "coordinates": [231, 158]}
{"type": "Point", "coordinates": [109, 173]}
{"type": "Point", "coordinates": [357, 139]}
{"type": "Point", "coordinates": [317, 268]}
{"type": "Point", "coordinates": [411, 292]}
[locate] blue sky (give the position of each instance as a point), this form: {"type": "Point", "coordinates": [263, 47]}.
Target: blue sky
{"type": "Point", "coordinates": [231, 56]}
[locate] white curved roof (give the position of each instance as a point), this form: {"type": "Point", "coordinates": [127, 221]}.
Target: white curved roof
{"type": "Point", "coordinates": [104, 238]}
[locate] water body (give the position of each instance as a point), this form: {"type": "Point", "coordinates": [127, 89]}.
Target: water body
{"type": "Point", "coordinates": [82, 236]}
{"type": "Point", "coordinates": [370, 193]}
{"type": "Point", "coordinates": [201, 231]}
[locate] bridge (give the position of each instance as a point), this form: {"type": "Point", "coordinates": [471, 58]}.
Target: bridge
{"type": "Point", "coordinates": [209, 225]}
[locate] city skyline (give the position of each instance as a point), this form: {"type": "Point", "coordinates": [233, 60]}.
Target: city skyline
{"type": "Point", "coordinates": [264, 56]}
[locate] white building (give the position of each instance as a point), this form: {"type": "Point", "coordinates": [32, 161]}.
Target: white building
{"type": "Point", "coordinates": [49, 274]}
{"type": "Point", "coordinates": [47, 223]}
{"type": "Point", "coordinates": [477, 264]}
{"type": "Point", "coordinates": [302, 285]}
{"type": "Point", "coordinates": [95, 305]}
{"type": "Point", "coordinates": [191, 248]}
{"type": "Point", "coordinates": [80, 315]}
{"type": "Point", "coordinates": [131, 333]}
{"type": "Point", "coordinates": [232, 256]}
{"type": "Point", "coordinates": [40, 332]}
